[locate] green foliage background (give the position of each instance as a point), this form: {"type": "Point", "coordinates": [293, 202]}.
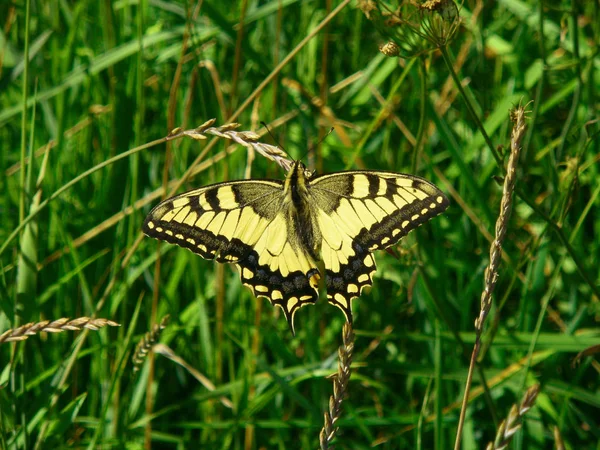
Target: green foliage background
{"type": "Point", "coordinates": [106, 77]}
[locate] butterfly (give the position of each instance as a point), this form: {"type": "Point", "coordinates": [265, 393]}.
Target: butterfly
{"type": "Point", "coordinates": [275, 231]}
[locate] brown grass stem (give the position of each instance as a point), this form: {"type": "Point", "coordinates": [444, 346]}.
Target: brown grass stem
{"type": "Point", "coordinates": [518, 116]}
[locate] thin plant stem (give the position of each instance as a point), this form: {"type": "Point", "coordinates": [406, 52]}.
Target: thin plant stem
{"type": "Point", "coordinates": [474, 116]}
{"type": "Point", "coordinates": [577, 94]}
{"type": "Point", "coordinates": [421, 130]}
{"type": "Point", "coordinates": [540, 85]}
{"type": "Point", "coordinates": [24, 94]}
{"type": "Point", "coordinates": [491, 273]}
{"type": "Point", "coordinates": [560, 232]}
{"type": "Point", "coordinates": [32, 215]}
{"type": "Point", "coordinates": [238, 55]}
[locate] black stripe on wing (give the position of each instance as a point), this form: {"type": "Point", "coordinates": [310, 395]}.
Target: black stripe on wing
{"type": "Point", "coordinates": [290, 292]}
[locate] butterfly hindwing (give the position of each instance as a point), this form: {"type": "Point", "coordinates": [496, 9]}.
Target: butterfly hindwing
{"type": "Point", "coordinates": [274, 231]}
{"type": "Point", "coordinates": [241, 222]}
{"type": "Point", "coordinates": [362, 211]}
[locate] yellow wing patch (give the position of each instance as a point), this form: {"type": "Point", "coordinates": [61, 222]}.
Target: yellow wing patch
{"type": "Point", "coordinates": [348, 267]}
{"type": "Point", "coordinates": [289, 280]}
{"type": "Point", "coordinates": [229, 222]}
{"type": "Point", "coordinates": [274, 231]}
{"type": "Point", "coordinates": [363, 211]}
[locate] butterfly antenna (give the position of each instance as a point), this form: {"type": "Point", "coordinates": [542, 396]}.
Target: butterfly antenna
{"type": "Point", "coordinates": [279, 146]}
{"type": "Point", "coordinates": [325, 137]}
{"type": "Point", "coordinates": [264, 124]}
{"type": "Point", "coordinates": [312, 147]}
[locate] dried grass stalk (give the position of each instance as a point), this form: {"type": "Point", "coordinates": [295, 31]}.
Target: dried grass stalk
{"type": "Point", "coordinates": [340, 387]}
{"type": "Point", "coordinates": [517, 116]}
{"type": "Point", "coordinates": [491, 272]}
{"type": "Point", "coordinates": [248, 139]}
{"type": "Point", "coordinates": [147, 342]}
{"type": "Point", "coordinates": [55, 326]}
{"type": "Point", "coordinates": [512, 423]}
{"type": "Point", "coordinates": [558, 440]}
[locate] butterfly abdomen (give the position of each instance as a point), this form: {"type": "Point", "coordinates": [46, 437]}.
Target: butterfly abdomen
{"type": "Point", "coordinates": [298, 204]}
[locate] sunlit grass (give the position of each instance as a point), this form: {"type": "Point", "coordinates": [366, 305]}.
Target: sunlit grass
{"type": "Point", "coordinates": [110, 80]}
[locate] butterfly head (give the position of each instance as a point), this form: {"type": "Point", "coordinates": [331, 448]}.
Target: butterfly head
{"type": "Point", "coordinates": [301, 171]}
{"type": "Point", "coordinates": [297, 184]}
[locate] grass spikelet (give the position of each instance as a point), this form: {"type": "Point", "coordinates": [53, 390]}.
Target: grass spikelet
{"type": "Point", "coordinates": [147, 342]}
{"type": "Point", "coordinates": [55, 326]}
{"type": "Point", "coordinates": [517, 116]}
{"type": "Point", "coordinates": [340, 387]}
{"type": "Point", "coordinates": [512, 423]}
{"type": "Point", "coordinates": [248, 139]}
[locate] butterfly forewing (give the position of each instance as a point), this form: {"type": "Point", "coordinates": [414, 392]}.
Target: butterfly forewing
{"type": "Point", "coordinates": [362, 211]}
{"type": "Point", "coordinates": [273, 231]}
{"type": "Point", "coordinates": [242, 222]}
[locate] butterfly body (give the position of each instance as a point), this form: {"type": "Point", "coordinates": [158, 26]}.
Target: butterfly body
{"type": "Point", "coordinates": [276, 231]}
{"type": "Point", "coordinates": [297, 207]}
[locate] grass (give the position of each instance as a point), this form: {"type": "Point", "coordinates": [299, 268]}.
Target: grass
{"type": "Point", "coordinates": [85, 153]}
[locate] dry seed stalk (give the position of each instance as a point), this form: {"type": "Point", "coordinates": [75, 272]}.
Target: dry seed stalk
{"type": "Point", "coordinates": [491, 273]}
{"type": "Point", "coordinates": [518, 116]}
{"type": "Point", "coordinates": [55, 326]}
{"type": "Point", "coordinates": [390, 49]}
{"type": "Point", "coordinates": [512, 423]}
{"type": "Point", "coordinates": [248, 139]}
{"type": "Point", "coordinates": [559, 444]}
{"type": "Point", "coordinates": [340, 387]}
{"type": "Point", "coordinates": [145, 345]}
{"type": "Point", "coordinates": [414, 28]}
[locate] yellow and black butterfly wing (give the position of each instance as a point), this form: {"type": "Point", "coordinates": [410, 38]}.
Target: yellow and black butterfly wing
{"type": "Point", "coordinates": [361, 211]}
{"type": "Point", "coordinates": [242, 222]}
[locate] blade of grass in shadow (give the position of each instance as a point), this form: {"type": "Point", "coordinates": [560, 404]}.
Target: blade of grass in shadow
{"type": "Point", "coordinates": [117, 372]}
{"type": "Point", "coordinates": [574, 32]}
{"type": "Point", "coordinates": [55, 287]}
{"type": "Point", "coordinates": [23, 106]}
{"type": "Point", "coordinates": [112, 57]}
{"type": "Point", "coordinates": [383, 112]}
{"type": "Point", "coordinates": [537, 101]}
{"type": "Point", "coordinates": [455, 150]}
{"type": "Point", "coordinates": [438, 436]}
{"type": "Point", "coordinates": [70, 184]}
